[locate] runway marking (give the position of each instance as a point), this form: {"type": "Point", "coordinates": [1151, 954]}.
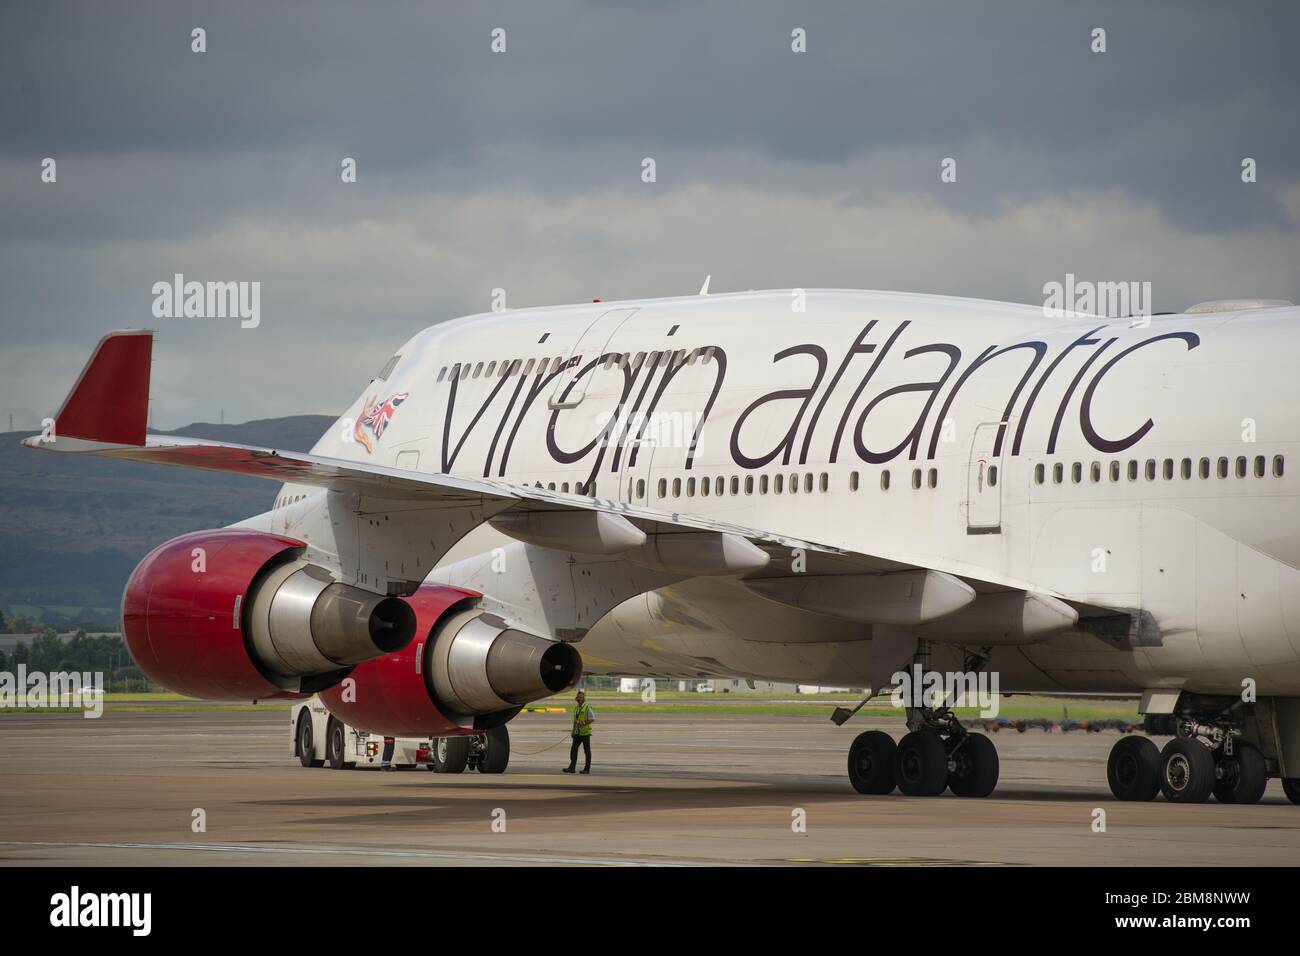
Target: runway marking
{"type": "Point", "coordinates": [363, 851]}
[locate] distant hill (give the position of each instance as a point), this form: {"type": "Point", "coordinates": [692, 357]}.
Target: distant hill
{"type": "Point", "coordinates": [73, 527]}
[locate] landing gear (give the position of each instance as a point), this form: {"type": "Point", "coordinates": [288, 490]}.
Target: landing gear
{"type": "Point", "coordinates": [1291, 787]}
{"type": "Point", "coordinates": [871, 762]}
{"type": "Point", "coordinates": [936, 754]}
{"type": "Point", "coordinates": [921, 764]}
{"type": "Point", "coordinates": [1242, 775]}
{"type": "Point", "coordinates": [972, 765]}
{"type": "Point", "coordinates": [493, 751]}
{"type": "Point", "coordinates": [1133, 769]}
{"type": "Point", "coordinates": [1186, 771]}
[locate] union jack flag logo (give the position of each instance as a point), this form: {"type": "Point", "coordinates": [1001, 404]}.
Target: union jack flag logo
{"type": "Point", "coordinates": [376, 415]}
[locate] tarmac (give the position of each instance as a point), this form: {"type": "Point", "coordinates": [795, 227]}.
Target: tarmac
{"type": "Point", "coordinates": [222, 788]}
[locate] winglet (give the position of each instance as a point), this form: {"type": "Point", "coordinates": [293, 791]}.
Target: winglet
{"type": "Point", "coordinates": [110, 402]}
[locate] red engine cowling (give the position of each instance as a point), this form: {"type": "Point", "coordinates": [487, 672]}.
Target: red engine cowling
{"type": "Point", "coordinates": [465, 667]}
{"type": "Point", "coordinates": [239, 615]}
{"type": "Point", "coordinates": [390, 695]}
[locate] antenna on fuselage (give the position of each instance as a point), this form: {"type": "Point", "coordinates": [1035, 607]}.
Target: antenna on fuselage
{"type": "Point", "coordinates": [704, 289]}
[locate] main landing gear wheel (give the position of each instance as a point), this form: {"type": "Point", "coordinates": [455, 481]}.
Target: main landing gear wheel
{"type": "Point", "coordinates": [496, 751]}
{"type": "Point", "coordinates": [306, 745]}
{"type": "Point", "coordinates": [1186, 771]}
{"type": "Point", "coordinates": [1243, 776]}
{"type": "Point", "coordinates": [921, 764]}
{"type": "Point", "coordinates": [974, 762]}
{"type": "Point", "coordinates": [871, 762]}
{"type": "Point", "coordinates": [450, 754]}
{"type": "Point", "coordinates": [1291, 787]}
{"type": "Point", "coordinates": [1133, 769]}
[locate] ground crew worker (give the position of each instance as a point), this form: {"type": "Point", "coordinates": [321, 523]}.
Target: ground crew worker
{"type": "Point", "coordinates": [387, 759]}
{"type": "Point", "coordinates": [583, 717]}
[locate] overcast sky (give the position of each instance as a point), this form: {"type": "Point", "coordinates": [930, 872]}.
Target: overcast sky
{"type": "Point", "coordinates": [522, 170]}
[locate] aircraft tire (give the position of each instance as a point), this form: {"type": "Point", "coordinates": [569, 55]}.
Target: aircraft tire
{"type": "Point", "coordinates": [871, 762]}
{"type": "Point", "coordinates": [1291, 787]}
{"type": "Point", "coordinates": [976, 773]}
{"type": "Point", "coordinates": [1133, 769]}
{"type": "Point", "coordinates": [921, 764]}
{"type": "Point", "coordinates": [1245, 777]}
{"type": "Point", "coordinates": [496, 751]}
{"type": "Point", "coordinates": [1186, 771]}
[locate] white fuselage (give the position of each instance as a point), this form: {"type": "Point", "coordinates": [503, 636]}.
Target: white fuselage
{"type": "Point", "coordinates": [1142, 466]}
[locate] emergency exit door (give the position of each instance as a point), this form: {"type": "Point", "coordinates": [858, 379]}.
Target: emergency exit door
{"type": "Point", "coordinates": [984, 482]}
{"type": "Point", "coordinates": [569, 388]}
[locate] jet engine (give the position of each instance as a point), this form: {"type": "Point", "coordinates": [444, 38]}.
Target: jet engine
{"type": "Point", "coordinates": [239, 615]}
{"type": "Point", "coordinates": [468, 670]}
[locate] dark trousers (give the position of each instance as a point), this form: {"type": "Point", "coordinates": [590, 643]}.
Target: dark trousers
{"type": "Point", "coordinates": [387, 758]}
{"type": "Point", "coordinates": [586, 750]}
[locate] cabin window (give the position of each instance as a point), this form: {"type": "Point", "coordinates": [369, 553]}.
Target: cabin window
{"type": "Point", "coordinates": [1151, 469]}
{"type": "Point", "coordinates": [1076, 472]}
{"type": "Point", "coordinates": [1094, 472]}
{"type": "Point", "coordinates": [777, 482]}
{"type": "Point", "coordinates": [1223, 468]}
{"type": "Point", "coordinates": [853, 481]}
{"type": "Point", "coordinates": [735, 485]}
{"type": "Point", "coordinates": [1169, 469]}
{"type": "Point", "coordinates": [749, 484]}
{"type": "Point", "coordinates": [762, 484]}
{"type": "Point", "coordinates": [916, 478]}
{"type": "Point", "coordinates": [1259, 466]}
{"type": "Point", "coordinates": [1114, 471]}
{"type": "Point", "coordinates": [884, 480]}
{"type": "Point", "coordinates": [1241, 467]}
{"type": "Point", "coordinates": [825, 482]}
{"type": "Point", "coordinates": [1279, 465]}
{"type": "Point", "coordinates": [663, 487]}
{"type": "Point", "coordinates": [1040, 473]}
{"type": "Point", "coordinates": [677, 487]}
{"type": "Point", "coordinates": [1205, 468]}
{"type": "Point", "coordinates": [808, 482]}
{"type": "Point", "coordinates": [640, 487]}
{"type": "Point", "coordinates": [932, 478]}
{"type": "Point", "coordinates": [1058, 473]}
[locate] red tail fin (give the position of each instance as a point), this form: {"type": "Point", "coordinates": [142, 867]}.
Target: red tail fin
{"type": "Point", "coordinates": [110, 402]}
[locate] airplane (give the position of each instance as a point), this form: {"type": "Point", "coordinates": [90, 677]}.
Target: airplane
{"type": "Point", "coordinates": [815, 486]}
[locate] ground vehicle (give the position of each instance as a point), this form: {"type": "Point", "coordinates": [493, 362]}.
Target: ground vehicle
{"type": "Point", "coordinates": [319, 738]}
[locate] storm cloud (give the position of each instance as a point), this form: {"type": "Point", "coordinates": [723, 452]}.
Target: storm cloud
{"type": "Point", "coordinates": [522, 170]}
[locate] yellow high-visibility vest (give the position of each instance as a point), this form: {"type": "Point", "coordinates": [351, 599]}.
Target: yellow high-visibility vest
{"type": "Point", "coordinates": [581, 725]}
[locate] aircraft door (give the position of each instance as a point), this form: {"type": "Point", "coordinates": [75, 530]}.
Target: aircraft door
{"type": "Point", "coordinates": [984, 482]}
{"type": "Point", "coordinates": [569, 388]}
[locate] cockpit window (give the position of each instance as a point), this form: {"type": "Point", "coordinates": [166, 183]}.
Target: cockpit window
{"type": "Point", "coordinates": [387, 370]}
